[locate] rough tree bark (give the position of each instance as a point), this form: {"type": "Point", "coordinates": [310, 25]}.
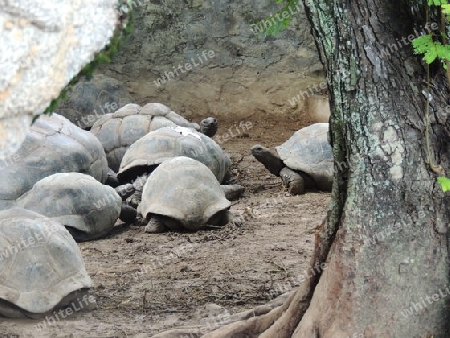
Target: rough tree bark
{"type": "Point", "coordinates": [385, 241]}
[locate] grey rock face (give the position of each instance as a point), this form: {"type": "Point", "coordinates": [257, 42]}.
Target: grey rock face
{"type": "Point", "coordinates": [44, 45]}
{"type": "Point", "coordinates": [90, 99]}
{"type": "Point", "coordinates": [202, 56]}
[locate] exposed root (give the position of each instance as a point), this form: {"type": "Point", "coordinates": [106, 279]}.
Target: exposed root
{"type": "Point", "coordinates": [270, 320]}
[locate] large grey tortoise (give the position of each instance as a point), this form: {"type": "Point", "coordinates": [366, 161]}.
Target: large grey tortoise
{"type": "Point", "coordinates": [87, 208]}
{"type": "Point", "coordinates": [52, 145]}
{"type": "Point", "coordinates": [119, 130]}
{"type": "Point", "coordinates": [183, 193]}
{"type": "Point", "coordinates": [165, 143]}
{"type": "Point", "coordinates": [41, 267]}
{"type": "Point", "coordinates": [91, 98]}
{"type": "Point", "coordinates": [305, 161]}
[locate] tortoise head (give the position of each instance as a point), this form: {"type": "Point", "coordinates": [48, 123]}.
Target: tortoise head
{"type": "Point", "coordinates": [268, 158]}
{"type": "Point", "coordinates": [209, 126]}
{"type": "Point", "coordinates": [258, 150]}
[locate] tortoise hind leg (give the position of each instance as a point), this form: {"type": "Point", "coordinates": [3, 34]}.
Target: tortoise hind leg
{"type": "Point", "coordinates": [232, 191]}
{"type": "Point", "coordinates": [293, 181]}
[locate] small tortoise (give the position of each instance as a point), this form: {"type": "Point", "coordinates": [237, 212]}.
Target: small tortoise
{"type": "Point", "coordinates": [183, 193]}
{"type": "Point", "coordinates": [52, 145]}
{"type": "Point", "coordinates": [41, 267]}
{"type": "Point", "coordinates": [118, 131]}
{"type": "Point", "coordinates": [87, 208]}
{"type": "Point", "coordinates": [165, 143]}
{"type": "Point", "coordinates": [305, 161]}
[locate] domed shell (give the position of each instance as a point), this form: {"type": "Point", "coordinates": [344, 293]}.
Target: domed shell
{"type": "Point", "coordinates": [40, 263]}
{"type": "Point", "coordinates": [118, 131]}
{"type": "Point", "coordinates": [183, 189]}
{"type": "Point", "coordinates": [308, 150]}
{"type": "Point", "coordinates": [168, 142]}
{"type": "Point", "coordinates": [87, 208]}
{"type": "Point", "coordinates": [53, 144]}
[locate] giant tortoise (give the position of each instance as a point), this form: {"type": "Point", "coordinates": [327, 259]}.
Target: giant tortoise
{"type": "Point", "coordinates": [183, 193]}
{"type": "Point", "coordinates": [305, 161]}
{"type": "Point", "coordinates": [118, 131]}
{"type": "Point", "coordinates": [87, 208]}
{"type": "Point", "coordinates": [41, 267]}
{"type": "Point", "coordinates": [163, 144]}
{"type": "Point", "coordinates": [52, 145]}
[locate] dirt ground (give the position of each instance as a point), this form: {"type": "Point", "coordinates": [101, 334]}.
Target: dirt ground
{"type": "Point", "coordinates": [145, 284]}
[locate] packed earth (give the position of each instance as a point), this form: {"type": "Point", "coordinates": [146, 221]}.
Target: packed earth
{"type": "Point", "coordinates": [148, 283]}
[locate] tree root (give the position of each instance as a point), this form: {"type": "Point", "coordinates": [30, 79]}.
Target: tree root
{"type": "Point", "coordinates": [270, 320]}
{"type": "Point", "coordinates": [259, 311]}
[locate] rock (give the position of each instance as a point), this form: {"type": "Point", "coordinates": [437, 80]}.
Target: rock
{"type": "Point", "coordinates": [44, 45]}
{"type": "Point", "coordinates": [318, 108]}
{"type": "Point", "coordinates": [92, 98]}
{"type": "Point", "coordinates": [222, 58]}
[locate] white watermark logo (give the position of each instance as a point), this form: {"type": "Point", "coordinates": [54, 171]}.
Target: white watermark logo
{"type": "Point", "coordinates": [201, 60]}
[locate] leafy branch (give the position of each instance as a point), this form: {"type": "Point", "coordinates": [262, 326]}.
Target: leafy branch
{"type": "Point", "coordinates": [435, 47]}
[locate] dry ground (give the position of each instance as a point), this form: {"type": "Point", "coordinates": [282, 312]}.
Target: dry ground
{"type": "Point", "coordinates": [145, 284]}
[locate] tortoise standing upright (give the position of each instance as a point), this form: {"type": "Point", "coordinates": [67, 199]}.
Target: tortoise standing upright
{"type": "Point", "coordinates": [303, 161]}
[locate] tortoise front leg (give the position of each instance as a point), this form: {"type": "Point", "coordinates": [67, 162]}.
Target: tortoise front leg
{"type": "Point", "coordinates": [155, 225]}
{"type": "Point", "coordinates": [293, 181]}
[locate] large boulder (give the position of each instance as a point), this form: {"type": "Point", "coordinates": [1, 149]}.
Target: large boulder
{"type": "Point", "coordinates": [44, 45]}
{"type": "Point", "coordinates": [92, 98]}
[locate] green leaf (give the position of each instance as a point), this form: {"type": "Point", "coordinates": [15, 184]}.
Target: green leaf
{"type": "Point", "coordinates": [425, 45]}
{"type": "Point", "coordinates": [445, 9]}
{"type": "Point", "coordinates": [445, 183]}
{"type": "Point", "coordinates": [443, 51]}
{"type": "Point", "coordinates": [422, 44]}
{"type": "Point", "coordinates": [437, 2]}
{"type": "Point", "coordinates": [431, 49]}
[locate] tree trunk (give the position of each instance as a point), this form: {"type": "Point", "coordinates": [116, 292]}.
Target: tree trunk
{"type": "Point", "coordinates": [385, 242]}
{"type": "Point", "coordinates": [390, 254]}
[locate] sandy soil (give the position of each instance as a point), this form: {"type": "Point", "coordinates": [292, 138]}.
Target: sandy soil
{"type": "Point", "coordinates": [145, 284]}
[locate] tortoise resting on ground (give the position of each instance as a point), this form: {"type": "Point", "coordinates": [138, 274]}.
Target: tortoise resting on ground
{"type": "Point", "coordinates": [41, 267]}
{"type": "Point", "coordinates": [183, 193]}
{"type": "Point", "coordinates": [118, 131]}
{"type": "Point", "coordinates": [305, 161]}
{"type": "Point", "coordinates": [87, 208]}
{"type": "Point", "coordinates": [52, 145]}
{"type": "Point", "coordinates": [165, 143]}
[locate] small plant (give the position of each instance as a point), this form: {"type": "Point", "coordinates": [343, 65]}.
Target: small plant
{"type": "Point", "coordinates": [276, 22]}
{"type": "Point", "coordinates": [435, 47]}
{"type": "Point", "coordinates": [445, 183]}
